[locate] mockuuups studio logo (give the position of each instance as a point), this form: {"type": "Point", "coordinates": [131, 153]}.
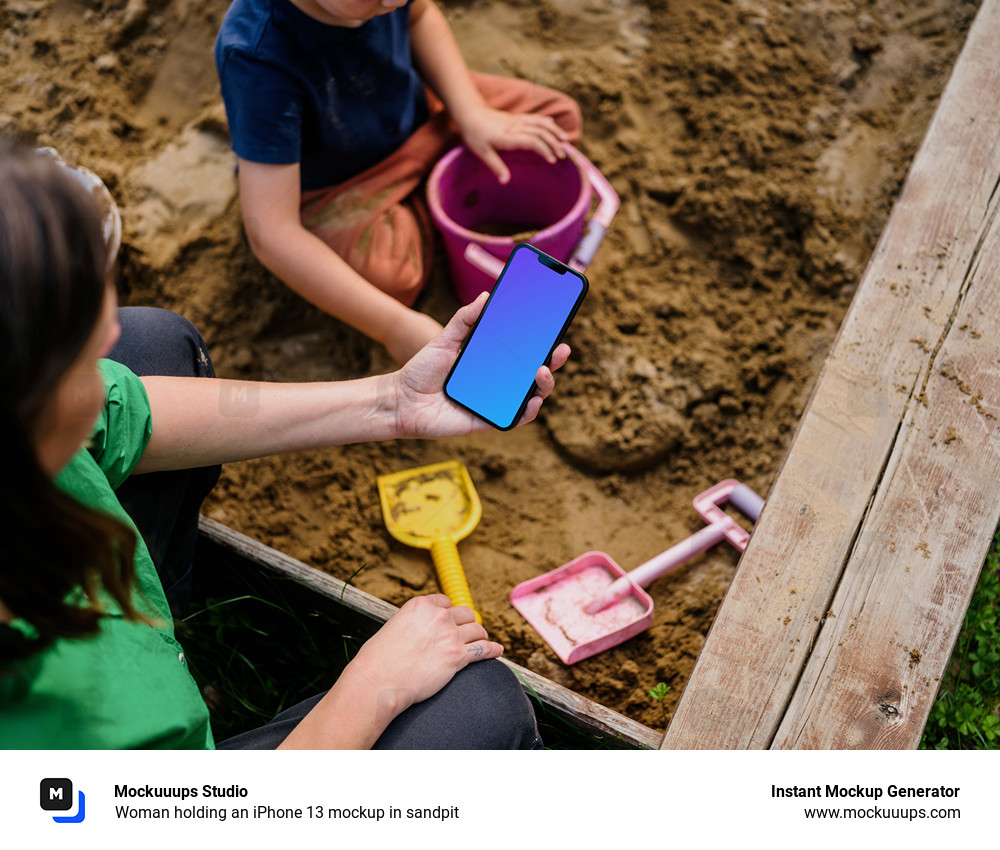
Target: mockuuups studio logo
{"type": "Point", "coordinates": [56, 795]}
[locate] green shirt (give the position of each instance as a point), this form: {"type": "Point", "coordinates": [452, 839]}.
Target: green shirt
{"type": "Point", "coordinates": [127, 686]}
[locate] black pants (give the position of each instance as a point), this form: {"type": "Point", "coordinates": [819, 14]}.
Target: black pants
{"type": "Point", "coordinates": [483, 707]}
{"type": "Point", "coordinates": [165, 505]}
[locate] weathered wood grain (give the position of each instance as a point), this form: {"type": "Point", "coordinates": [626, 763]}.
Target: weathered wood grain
{"type": "Point", "coordinates": [873, 674]}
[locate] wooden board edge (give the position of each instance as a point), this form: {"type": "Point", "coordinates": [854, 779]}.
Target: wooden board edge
{"type": "Point", "coordinates": [578, 709]}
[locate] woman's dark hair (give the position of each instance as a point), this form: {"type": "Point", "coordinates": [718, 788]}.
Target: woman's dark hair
{"type": "Point", "coordinates": [53, 263]}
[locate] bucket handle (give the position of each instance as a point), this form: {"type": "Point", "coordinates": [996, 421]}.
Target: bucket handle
{"type": "Point", "coordinates": [478, 256]}
{"type": "Point", "coordinates": [593, 233]}
{"type": "Point", "coordinates": [600, 221]}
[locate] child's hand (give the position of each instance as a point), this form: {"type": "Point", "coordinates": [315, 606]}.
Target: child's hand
{"type": "Point", "coordinates": [417, 390]}
{"type": "Point", "coordinates": [486, 131]}
{"type": "Point", "coordinates": [418, 650]}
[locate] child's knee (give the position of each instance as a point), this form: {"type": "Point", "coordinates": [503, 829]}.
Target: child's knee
{"type": "Point", "coordinates": [569, 117]}
{"type": "Point", "coordinates": [402, 279]}
{"type": "Point", "coordinates": [391, 254]}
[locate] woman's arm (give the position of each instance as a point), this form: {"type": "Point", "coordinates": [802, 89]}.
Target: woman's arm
{"type": "Point", "coordinates": [205, 421]}
{"type": "Point", "coordinates": [485, 130]}
{"type": "Point", "coordinates": [269, 200]}
{"type": "Point", "coordinates": [409, 659]}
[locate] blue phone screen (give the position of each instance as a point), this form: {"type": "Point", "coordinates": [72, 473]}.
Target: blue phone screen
{"type": "Point", "coordinates": [527, 312]}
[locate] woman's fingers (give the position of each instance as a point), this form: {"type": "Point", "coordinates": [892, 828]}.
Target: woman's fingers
{"type": "Point", "coordinates": [438, 599]}
{"type": "Point", "coordinates": [546, 382]}
{"type": "Point", "coordinates": [463, 617]}
{"type": "Point", "coordinates": [481, 650]}
{"type": "Point", "coordinates": [463, 614]}
{"type": "Point", "coordinates": [544, 379]}
{"type": "Point", "coordinates": [472, 632]}
{"type": "Point", "coordinates": [461, 323]}
{"type": "Point", "coordinates": [559, 356]}
{"type": "Point", "coordinates": [473, 635]}
{"type": "Point", "coordinates": [531, 410]}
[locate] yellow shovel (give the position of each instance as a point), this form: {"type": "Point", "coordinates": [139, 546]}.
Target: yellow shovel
{"type": "Point", "coordinates": [433, 507]}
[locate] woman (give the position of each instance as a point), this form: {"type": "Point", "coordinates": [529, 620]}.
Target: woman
{"type": "Point", "coordinates": [87, 653]}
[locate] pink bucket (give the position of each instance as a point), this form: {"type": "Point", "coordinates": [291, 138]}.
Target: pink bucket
{"type": "Point", "coordinates": [545, 204]}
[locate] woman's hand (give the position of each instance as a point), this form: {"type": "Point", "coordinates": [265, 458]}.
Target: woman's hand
{"type": "Point", "coordinates": [486, 131]}
{"type": "Point", "coordinates": [408, 660]}
{"type": "Point", "coordinates": [421, 407]}
{"type": "Point", "coordinates": [418, 650]}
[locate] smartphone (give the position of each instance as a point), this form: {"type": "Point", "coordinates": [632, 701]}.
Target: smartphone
{"type": "Point", "coordinates": [529, 310]}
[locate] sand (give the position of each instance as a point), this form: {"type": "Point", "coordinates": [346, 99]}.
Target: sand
{"type": "Point", "coordinates": [757, 147]}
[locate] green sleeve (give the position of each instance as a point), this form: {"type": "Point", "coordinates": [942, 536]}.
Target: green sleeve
{"type": "Point", "coordinates": [125, 425]}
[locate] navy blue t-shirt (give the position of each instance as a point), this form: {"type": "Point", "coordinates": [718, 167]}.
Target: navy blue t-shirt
{"type": "Point", "coordinates": [337, 100]}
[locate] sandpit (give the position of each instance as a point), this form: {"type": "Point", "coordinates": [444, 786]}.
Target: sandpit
{"type": "Point", "coordinates": [757, 147]}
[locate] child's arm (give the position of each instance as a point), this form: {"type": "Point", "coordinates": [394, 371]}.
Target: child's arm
{"type": "Point", "coordinates": [270, 197]}
{"type": "Point", "coordinates": [485, 130]}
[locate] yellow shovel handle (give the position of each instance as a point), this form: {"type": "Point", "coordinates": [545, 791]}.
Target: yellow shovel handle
{"type": "Point", "coordinates": [450, 574]}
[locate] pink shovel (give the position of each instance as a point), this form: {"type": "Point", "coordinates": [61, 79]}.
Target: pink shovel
{"type": "Point", "coordinates": [591, 603]}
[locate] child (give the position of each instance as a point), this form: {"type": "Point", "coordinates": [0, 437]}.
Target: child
{"type": "Point", "coordinates": [337, 110]}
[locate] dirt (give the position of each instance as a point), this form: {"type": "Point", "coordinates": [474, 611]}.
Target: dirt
{"type": "Point", "coordinates": [757, 147]}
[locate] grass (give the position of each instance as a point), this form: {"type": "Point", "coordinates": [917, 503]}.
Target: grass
{"type": "Point", "coordinates": [260, 650]}
{"type": "Point", "coordinates": [258, 643]}
{"type": "Point", "coordinates": [966, 714]}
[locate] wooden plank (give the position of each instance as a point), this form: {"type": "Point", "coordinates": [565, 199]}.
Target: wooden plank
{"type": "Point", "coordinates": [868, 470]}
{"type": "Point", "coordinates": [276, 561]}
{"type": "Point", "coordinates": [583, 712]}
{"type": "Point", "coordinates": [873, 675]}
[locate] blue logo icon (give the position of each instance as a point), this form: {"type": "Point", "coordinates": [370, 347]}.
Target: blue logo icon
{"type": "Point", "coordinates": [56, 795]}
